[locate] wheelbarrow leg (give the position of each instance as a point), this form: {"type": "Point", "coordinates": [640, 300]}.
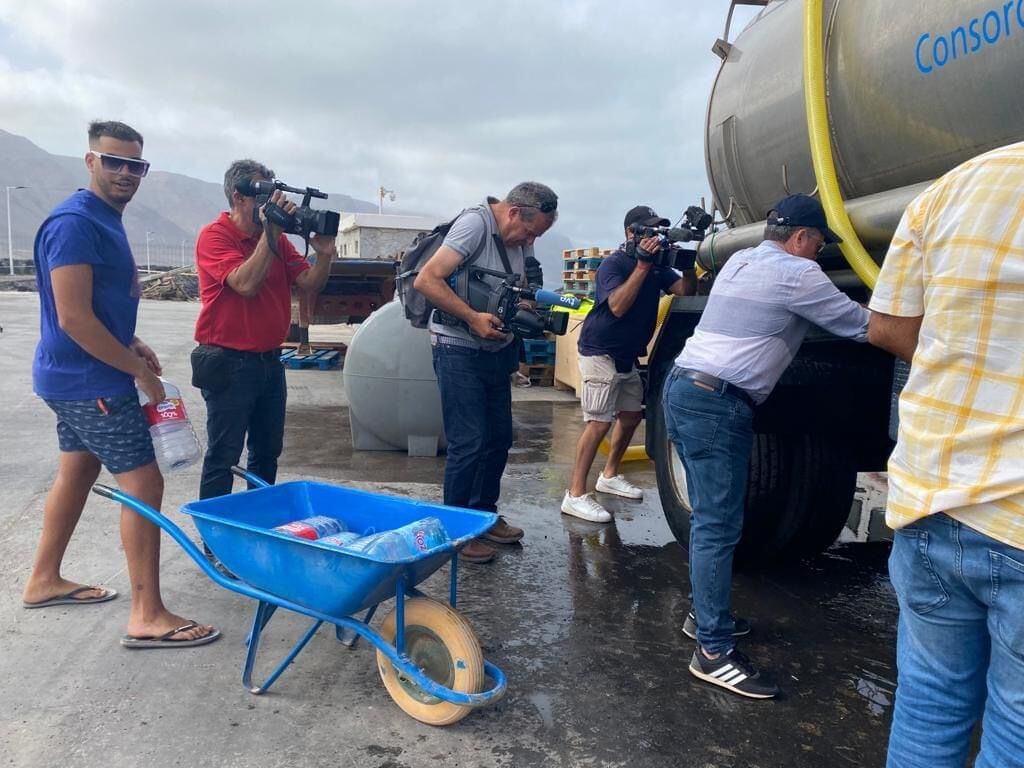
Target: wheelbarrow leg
{"type": "Point", "coordinates": [263, 613]}
{"type": "Point", "coordinates": [400, 616]}
{"type": "Point", "coordinates": [349, 637]}
{"type": "Point", "coordinates": [453, 588]}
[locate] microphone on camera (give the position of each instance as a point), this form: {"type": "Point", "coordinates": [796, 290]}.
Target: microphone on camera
{"type": "Point", "coordinates": [542, 296]}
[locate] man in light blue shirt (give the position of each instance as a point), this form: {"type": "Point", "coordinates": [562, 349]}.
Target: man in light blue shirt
{"type": "Point", "coordinates": [760, 308]}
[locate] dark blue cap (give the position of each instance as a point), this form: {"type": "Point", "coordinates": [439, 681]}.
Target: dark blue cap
{"type": "Point", "coordinates": [802, 211]}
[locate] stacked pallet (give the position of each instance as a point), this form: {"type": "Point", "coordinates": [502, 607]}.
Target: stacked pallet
{"type": "Point", "coordinates": [539, 365]}
{"type": "Point", "coordinates": [323, 356]}
{"type": "Point", "coordinates": [579, 271]}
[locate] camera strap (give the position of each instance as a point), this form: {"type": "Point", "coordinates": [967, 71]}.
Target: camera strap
{"type": "Point", "coordinates": [266, 234]}
{"type": "Point", "coordinates": [500, 245]}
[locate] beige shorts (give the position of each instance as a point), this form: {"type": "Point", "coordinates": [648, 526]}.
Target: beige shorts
{"type": "Point", "coordinates": [606, 391]}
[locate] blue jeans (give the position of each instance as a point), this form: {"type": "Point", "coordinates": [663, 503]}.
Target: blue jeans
{"type": "Point", "coordinates": [248, 411]}
{"type": "Point", "coordinates": [713, 433]}
{"type": "Point", "coordinates": [476, 402]}
{"type": "Point", "coordinates": [960, 646]}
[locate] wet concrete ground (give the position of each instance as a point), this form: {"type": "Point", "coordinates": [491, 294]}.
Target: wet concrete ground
{"type": "Point", "coordinates": [584, 619]}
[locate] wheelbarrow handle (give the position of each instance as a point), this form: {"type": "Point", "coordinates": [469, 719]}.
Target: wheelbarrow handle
{"type": "Point", "coordinates": [158, 519]}
{"type": "Point", "coordinates": [249, 477]}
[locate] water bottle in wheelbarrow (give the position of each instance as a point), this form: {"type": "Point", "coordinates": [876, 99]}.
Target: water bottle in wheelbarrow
{"type": "Point", "coordinates": [403, 542]}
{"type": "Point", "coordinates": [174, 440]}
{"type": "Point", "coordinates": [423, 534]}
{"type": "Point", "coordinates": [312, 528]}
{"type": "Point", "coordinates": [340, 539]}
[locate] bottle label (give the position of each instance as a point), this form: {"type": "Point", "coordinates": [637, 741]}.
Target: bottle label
{"type": "Point", "coordinates": [165, 412]}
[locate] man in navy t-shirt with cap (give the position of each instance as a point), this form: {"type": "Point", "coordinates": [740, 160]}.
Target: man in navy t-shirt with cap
{"type": "Point", "coordinates": [614, 335]}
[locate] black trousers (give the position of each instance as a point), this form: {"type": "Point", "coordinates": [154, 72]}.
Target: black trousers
{"type": "Point", "coordinates": [245, 410]}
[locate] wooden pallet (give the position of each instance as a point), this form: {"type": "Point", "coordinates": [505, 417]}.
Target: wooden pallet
{"type": "Point", "coordinates": [539, 375]}
{"type": "Point", "coordinates": [585, 253]}
{"type": "Point", "coordinates": [315, 346]}
{"type": "Point", "coordinates": [323, 359]}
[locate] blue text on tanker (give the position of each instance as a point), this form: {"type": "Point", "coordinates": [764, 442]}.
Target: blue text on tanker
{"type": "Point", "coordinates": [936, 51]}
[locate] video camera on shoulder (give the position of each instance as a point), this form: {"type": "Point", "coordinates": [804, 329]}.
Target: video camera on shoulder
{"type": "Point", "coordinates": [304, 221]}
{"type": "Point", "coordinates": [497, 293]}
{"type": "Point", "coordinates": [693, 227]}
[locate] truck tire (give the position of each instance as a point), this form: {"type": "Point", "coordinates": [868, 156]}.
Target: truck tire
{"type": "Point", "coordinates": [799, 493]}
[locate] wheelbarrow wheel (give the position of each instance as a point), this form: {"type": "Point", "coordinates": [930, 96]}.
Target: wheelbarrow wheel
{"type": "Point", "coordinates": [441, 643]}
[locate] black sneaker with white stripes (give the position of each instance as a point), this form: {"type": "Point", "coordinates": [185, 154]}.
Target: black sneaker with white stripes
{"type": "Point", "coordinates": [741, 627]}
{"type": "Point", "coordinates": [734, 672]}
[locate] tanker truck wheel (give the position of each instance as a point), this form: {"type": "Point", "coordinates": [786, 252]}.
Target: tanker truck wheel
{"type": "Point", "coordinates": [799, 493]}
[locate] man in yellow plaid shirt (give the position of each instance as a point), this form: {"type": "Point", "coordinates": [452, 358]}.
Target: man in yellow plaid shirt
{"type": "Point", "coordinates": [950, 299]}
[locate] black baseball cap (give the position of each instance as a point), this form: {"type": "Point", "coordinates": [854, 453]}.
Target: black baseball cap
{"type": "Point", "coordinates": [644, 214]}
{"type": "Point", "coordinates": [802, 211]}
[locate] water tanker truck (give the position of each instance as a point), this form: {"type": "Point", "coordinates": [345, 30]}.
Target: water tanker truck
{"type": "Point", "coordinates": [864, 103]}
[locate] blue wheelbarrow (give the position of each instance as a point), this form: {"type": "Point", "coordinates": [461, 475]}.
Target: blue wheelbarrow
{"type": "Point", "coordinates": [427, 654]}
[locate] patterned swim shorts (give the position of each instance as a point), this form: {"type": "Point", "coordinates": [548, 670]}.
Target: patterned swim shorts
{"type": "Point", "coordinates": [112, 429]}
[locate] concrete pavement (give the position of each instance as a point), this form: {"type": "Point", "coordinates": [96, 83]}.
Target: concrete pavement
{"type": "Point", "coordinates": [584, 619]}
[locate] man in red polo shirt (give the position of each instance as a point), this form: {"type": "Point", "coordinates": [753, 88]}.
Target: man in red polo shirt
{"type": "Point", "coordinates": [247, 267]}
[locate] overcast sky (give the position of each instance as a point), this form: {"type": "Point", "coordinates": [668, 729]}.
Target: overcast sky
{"type": "Point", "coordinates": [441, 101]}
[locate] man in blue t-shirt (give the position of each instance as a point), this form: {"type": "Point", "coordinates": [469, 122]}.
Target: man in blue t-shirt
{"type": "Point", "coordinates": [616, 333]}
{"type": "Point", "coordinates": [86, 368]}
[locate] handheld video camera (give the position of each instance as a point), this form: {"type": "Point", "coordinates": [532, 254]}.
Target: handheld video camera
{"type": "Point", "coordinates": [304, 221]}
{"type": "Point", "coordinates": [498, 294]}
{"type": "Point", "coordinates": [694, 225]}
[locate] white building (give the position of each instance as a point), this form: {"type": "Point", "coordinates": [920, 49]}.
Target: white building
{"type": "Point", "coordinates": [379, 236]}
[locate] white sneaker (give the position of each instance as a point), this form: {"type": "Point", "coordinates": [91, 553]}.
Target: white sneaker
{"type": "Point", "coordinates": [618, 485]}
{"type": "Point", "coordinates": [585, 507]}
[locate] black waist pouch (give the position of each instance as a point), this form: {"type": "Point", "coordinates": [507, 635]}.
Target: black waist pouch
{"type": "Point", "coordinates": [211, 368]}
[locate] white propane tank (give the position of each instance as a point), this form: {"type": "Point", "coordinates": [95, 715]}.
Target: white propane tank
{"type": "Point", "coordinates": [394, 403]}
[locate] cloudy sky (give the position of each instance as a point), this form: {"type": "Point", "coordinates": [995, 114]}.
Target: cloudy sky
{"type": "Point", "coordinates": [441, 101]}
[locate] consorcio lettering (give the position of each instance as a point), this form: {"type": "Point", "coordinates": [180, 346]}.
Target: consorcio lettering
{"type": "Point", "coordinates": [936, 51]}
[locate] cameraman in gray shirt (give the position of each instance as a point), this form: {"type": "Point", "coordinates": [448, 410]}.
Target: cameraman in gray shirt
{"type": "Point", "coordinates": [474, 358]}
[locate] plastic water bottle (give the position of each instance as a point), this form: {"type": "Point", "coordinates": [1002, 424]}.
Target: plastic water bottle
{"type": "Point", "coordinates": [174, 439]}
{"type": "Point", "coordinates": [312, 528]}
{"type": "Point", "coordinates": [400, 543]}
{"type": "Point", "coordinates": [340, 539]}
{"type": "Point", "coordinates": [423, 535]}
{"type": "Point", "coordinates": [387, 545]}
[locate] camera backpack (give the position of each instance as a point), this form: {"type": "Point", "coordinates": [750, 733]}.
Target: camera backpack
{"type": "Point", "coordinates": [417, 308]}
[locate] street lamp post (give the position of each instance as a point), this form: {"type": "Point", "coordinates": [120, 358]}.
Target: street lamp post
{"type": "Point", "coordinates": [10, 242]}
{"type": "Point", "coordinates": [149, 264]}
{"type": "Point", "coordinates": [381, 194]}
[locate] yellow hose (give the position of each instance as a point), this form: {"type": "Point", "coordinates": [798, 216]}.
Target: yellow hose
{"type": "Point", "coordinates": [821, 145]}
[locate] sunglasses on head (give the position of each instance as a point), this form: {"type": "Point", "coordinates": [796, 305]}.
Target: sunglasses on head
{"type": "Point", "coordinates": [134, 166]}
{"type": "Point", "coordinates": [548, 207]}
